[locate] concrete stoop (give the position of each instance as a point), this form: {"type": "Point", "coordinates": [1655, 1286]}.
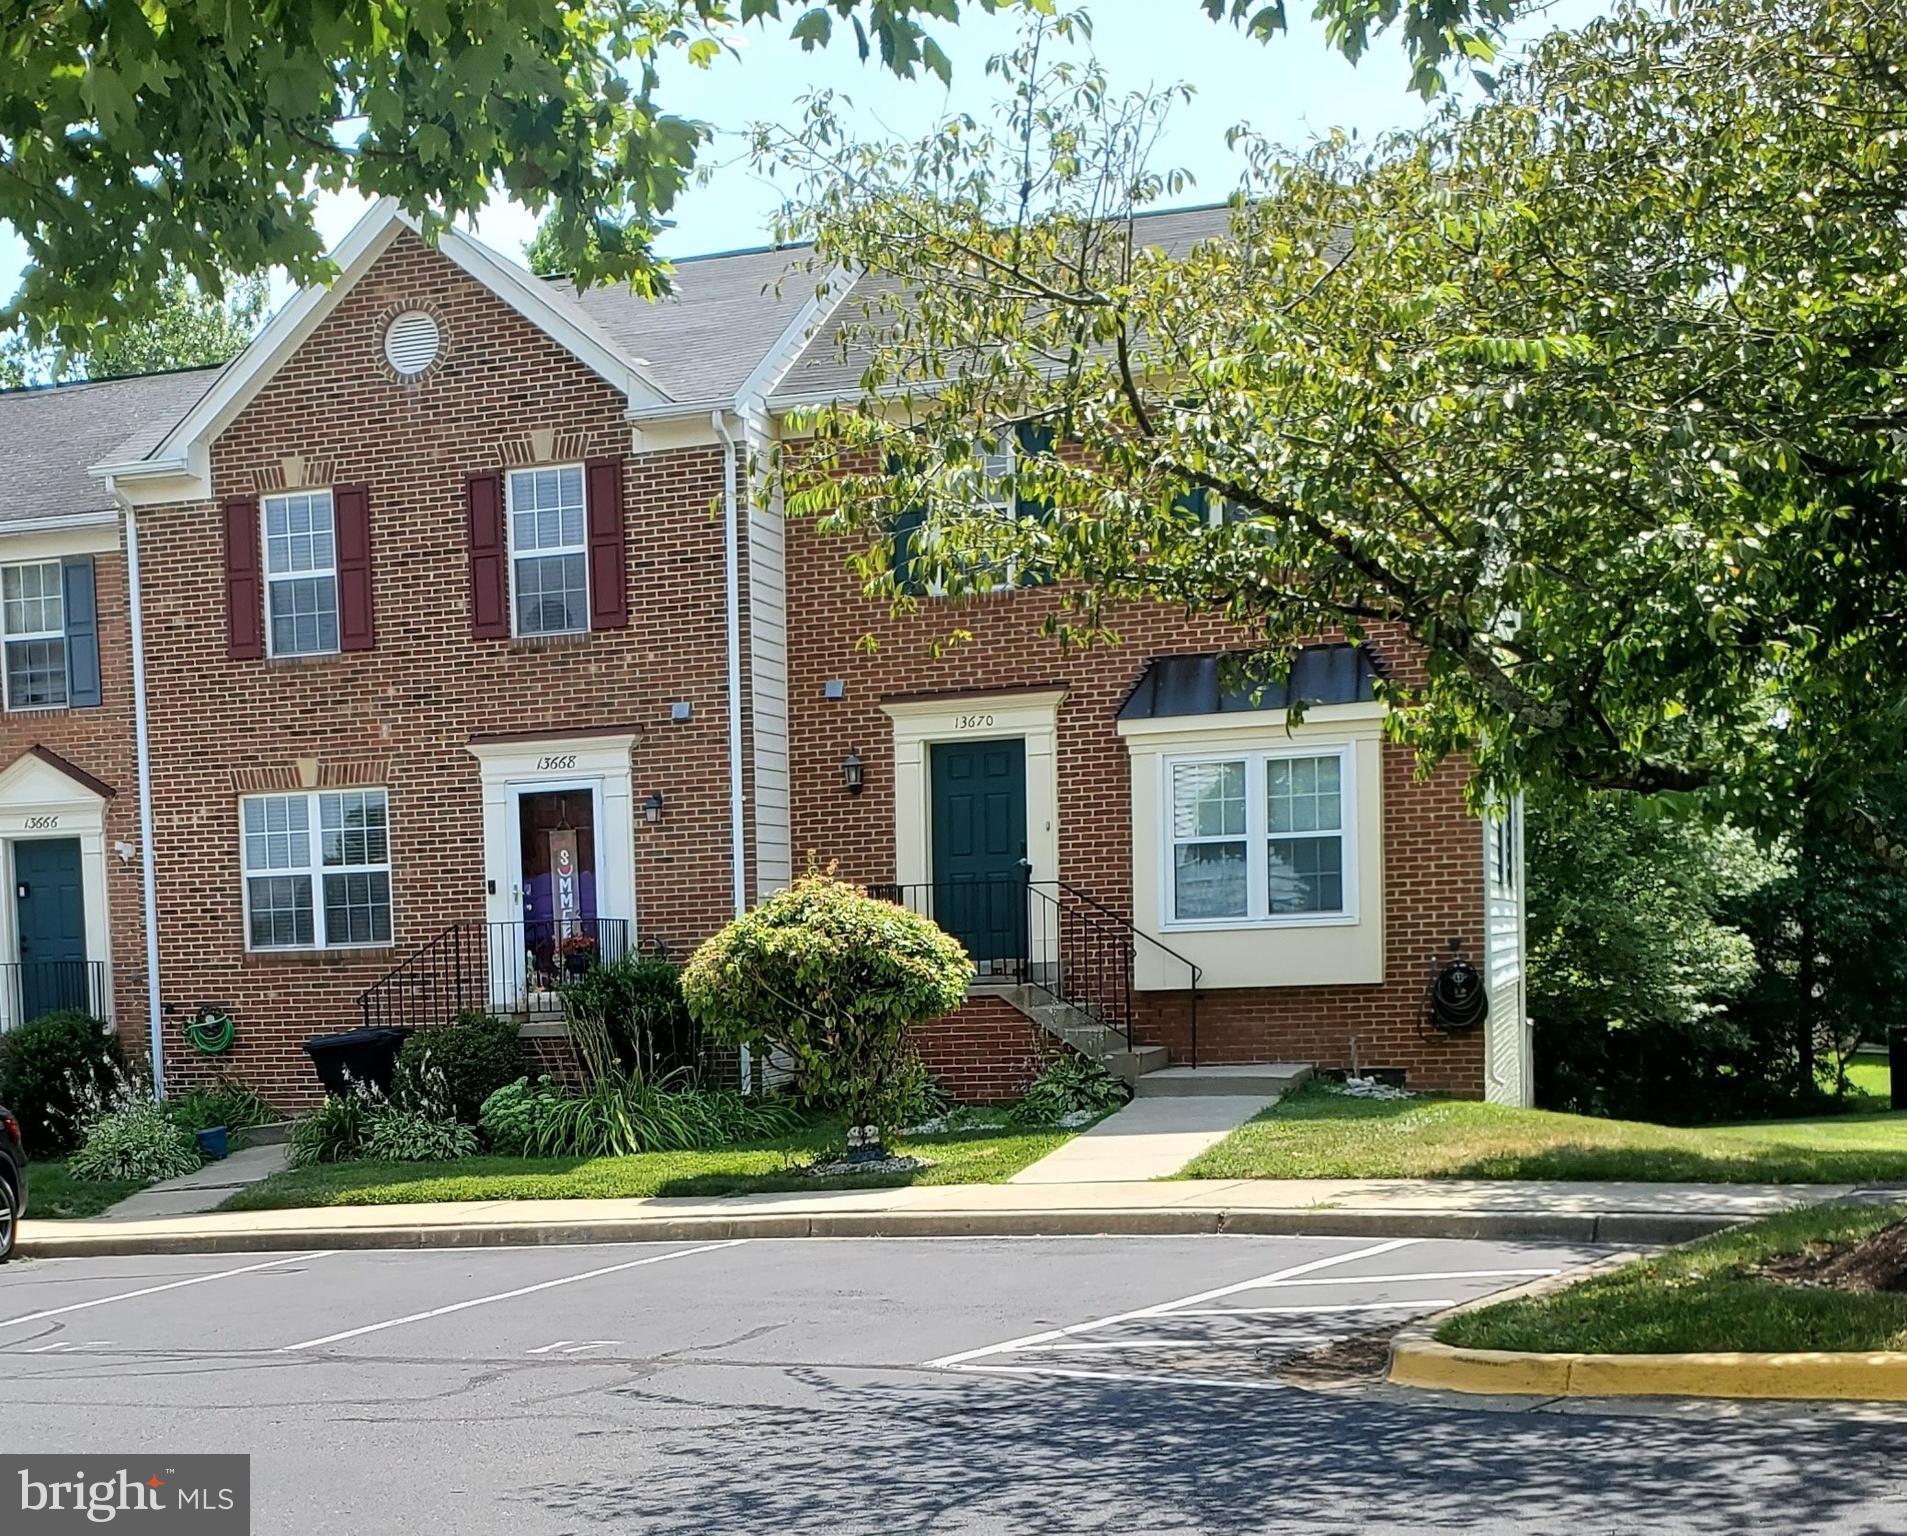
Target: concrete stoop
{"type": "Point", "coordinates": [1254, 1080]}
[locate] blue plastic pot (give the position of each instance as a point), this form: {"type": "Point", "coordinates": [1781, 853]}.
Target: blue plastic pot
{"type": "Point", "coordinates": [214, 1142]}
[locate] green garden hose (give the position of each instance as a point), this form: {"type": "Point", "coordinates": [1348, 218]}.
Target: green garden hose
{"type": "Point", "coordinates": [211, 1033]}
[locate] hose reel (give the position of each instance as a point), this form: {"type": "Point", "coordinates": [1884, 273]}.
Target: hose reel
{"type": "Point", "coordinates": [1459, 1000]}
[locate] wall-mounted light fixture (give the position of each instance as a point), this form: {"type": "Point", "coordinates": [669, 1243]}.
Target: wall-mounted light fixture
{"type": "Point", "coordinates": [652, 807]}
{"type": "Point", "coordinates": [853, 772]}
{"type": "Point", "coordinates": [681, 710]}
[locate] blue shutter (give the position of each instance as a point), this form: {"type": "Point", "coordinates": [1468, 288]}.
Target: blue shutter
{"type": "Point", "coordinates": [82, 632]}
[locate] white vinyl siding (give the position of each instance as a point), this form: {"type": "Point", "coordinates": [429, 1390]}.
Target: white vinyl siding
{"type": "Point", "coordinates": [1260, 838]}
{"type": "Point", "coordinates": [549, 555]}
{"type": "Point", "coordinates": [33, 623]}
{"type": "Point", "coordinates": [317, 869]}
{"type": "Point", "coordinates": [1507, 1035]}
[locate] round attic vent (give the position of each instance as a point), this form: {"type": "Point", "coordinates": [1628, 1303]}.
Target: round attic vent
{"type": "Point", "coordinates": [411, 343]}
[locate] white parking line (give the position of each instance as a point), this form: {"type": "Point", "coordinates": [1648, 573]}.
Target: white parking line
{"type": "Point", "coordinates": [1242, 1384]}
{"type": "Point", "coordinates": [946, 1362]}
{"type": "Point", "coordinates": [522, 1290]}
{"type": "Point", "coordinates": [1428, 1304]}
{"type": "Point", "coordinates": [154, 1290]}
{"type": "Point", "coordinates": [1427, 1274]}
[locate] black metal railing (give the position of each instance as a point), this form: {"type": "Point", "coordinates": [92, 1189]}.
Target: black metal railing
{"type": "Point", "coordinates": [1048, 935]}
{"type": "Point", "coordinates": [30, 989]}
{"type": "Point", "coordinates": [506, 968]}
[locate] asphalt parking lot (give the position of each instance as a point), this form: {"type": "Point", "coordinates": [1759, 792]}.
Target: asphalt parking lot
{"type": "Point", "coordinates": [842, 1386]}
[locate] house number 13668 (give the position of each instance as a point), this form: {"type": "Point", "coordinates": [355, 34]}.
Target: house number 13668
{"type": "Point", "coordinates": [566, 760]}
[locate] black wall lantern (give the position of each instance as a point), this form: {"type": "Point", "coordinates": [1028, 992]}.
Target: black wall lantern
{"type": "Point", "coordinates": [652, 807]}
{"type": "Point", "coordinates": [853, 772]}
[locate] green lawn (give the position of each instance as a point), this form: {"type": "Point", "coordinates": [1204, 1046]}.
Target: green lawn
{"type": "Point", "coordinates": [967, 1157]}
{"type": "Point", "coordinates": [1319, 1134]}
{"type": "Point", "coordinates": [55, 1195]}
{"type": "Point", "coordinates": [1705, 1297]}
{"type": "Point", "coordinates": [1869, 1076]}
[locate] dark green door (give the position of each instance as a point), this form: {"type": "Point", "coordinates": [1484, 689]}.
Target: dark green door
{"type": "Point", "coordinates": [50, 918]}
{"type": "Point", "coordinates": [980, 865]}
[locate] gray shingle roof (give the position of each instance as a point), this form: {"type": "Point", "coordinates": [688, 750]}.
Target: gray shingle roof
{"type": "Point", "coordinates": [822, 369]}
{"type": "Point", "coordinates": [726, 312]}
{"type": "Point", "coordinates": [48, 437]}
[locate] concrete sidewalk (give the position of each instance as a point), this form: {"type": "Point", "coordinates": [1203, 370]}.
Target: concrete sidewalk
{"type": "Point", "coordinates": [1596, 1213]}
{"type": "Point", "coordinates": [204, 1189]}
{"type": "Point", "coordinates": [1147, 1139]}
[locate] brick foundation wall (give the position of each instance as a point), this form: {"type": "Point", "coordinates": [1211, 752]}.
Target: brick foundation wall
{"type": "Point", "coordinates": [400, 715]}
{"type": "Point", "coordinates": [986, 1052]}
{"type": "Point", "coordinates": [99, 741]}
{"type": "Point", "coordinates": [1432, 845]}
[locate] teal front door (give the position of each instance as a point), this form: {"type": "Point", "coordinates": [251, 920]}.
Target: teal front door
{"type": "Point", "coordinates": [50, 919]}
{"type": "Point", "coordinates": [979, 837]}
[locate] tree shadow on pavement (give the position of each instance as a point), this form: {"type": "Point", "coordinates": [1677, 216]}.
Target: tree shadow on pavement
{"type": "Point", "coordinates": [935, 1452]}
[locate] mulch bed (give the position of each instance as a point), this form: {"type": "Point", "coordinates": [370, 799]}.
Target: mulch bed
{"type": "Point", "coordinates": [1877, 1263]}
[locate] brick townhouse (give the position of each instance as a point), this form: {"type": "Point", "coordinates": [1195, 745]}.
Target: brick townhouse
{"type": "Point", "coordinates": [445, 641]}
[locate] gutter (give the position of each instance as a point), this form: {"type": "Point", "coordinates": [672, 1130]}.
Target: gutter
{"type": "Point", "coordinates": [142, 740]}
{"type": "Point", "coordinates": [731, 578]}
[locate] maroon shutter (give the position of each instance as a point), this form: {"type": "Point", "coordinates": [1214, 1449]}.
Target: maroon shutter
{"type": "Point", "coordinates": [608, 566]}
{"type": "Point", "coordinates": [244, 582]}
{"type": "Point", "coordinates": [489, 558]}
{"type": "Point", "coordinates": [356, 629]}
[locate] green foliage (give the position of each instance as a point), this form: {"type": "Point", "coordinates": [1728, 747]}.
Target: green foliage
{"type": "Point", "coordinates": [48, 1067]}
{"type": "Point", "coordinates": [227, 1102]}
{"type": "Point", "coordinates": [138, 149]}
{"type": "Point", "coordinates": [334, 1131]}
{"type": "Point", "coordinates": [619, 1115]}
{"type": "Point", "coordinates": [133, 1138]}
{"type": "Point", "coordinates": [416, 1134]}
{"type": "Point", "coordinates": [638, 998]}
{"type": "Point", "coordinates": [831, 978]}
{"type": "Point", "coordinates": [920, 1096]}
{"type": "Point", "coordinates": [188, 327]}
{"type": "Point", "coordinates": [1592, 387]}
{"type": "Point", "coordinates": [470, 1058]}
{"type": "Point", "coordinates": [1069, 1084]}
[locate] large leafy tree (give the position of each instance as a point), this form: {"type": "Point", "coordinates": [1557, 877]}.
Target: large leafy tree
{"type": "Point", "coordinates": [191, 328]}
{"type": "Point", "coordinates": [1596, 390]}
{"type": "Point", "coordinates": [139, 139]}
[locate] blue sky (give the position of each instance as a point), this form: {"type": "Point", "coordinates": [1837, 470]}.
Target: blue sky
{"type": "Point", "coordinates": [1291, 88]}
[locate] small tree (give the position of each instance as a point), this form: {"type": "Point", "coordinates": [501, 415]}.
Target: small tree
{"type": "Point", "coordinates": [832, 977]}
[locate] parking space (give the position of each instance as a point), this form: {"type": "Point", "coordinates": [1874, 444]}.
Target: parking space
{"type": "Point", "coordinates": [836, 1387]}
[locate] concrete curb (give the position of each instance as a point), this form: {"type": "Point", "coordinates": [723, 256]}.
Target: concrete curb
{"type": "Point", "coordinates": [1418, 1360]}
{"type": "Point", "coordinates": [43, 1240]}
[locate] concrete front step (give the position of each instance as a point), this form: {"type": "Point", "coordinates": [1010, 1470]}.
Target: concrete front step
{"type": "Point", "coordinates": [1269, 1079]}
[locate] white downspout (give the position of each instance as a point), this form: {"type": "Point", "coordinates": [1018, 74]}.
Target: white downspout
{"type": "Point", "coordinates": [142, 741]}
{"type": "Point", "coordinates": [731, 576]}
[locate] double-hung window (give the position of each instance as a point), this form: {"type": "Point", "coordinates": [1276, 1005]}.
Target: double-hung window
{"type": "Point", "coordinates": [33, 622]}
{"type": "Point", "coordinates": [317, 869]}
{"type": "Point", "coordinates": [301, 574]}
{"type": "Point", "coordinates": [1260, 837]}
{"type": "Point", "coordinates": [549, 555]}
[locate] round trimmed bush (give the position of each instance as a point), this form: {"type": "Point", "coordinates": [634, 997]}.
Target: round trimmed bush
{"type": "Point", "coordinates": [48, 1066]}
{"type": "Point", "coordinates": [475, 1056]}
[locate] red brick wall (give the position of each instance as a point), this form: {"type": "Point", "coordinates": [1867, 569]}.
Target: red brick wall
{"type": "Point", "coordinates": [1432, 846]}
{"type": "Point", "coordinates": [408, 708]}
{"type": "Point", "coordinates": [986, 1053]}
{"type": "Point", "coordinates": [100, 742]}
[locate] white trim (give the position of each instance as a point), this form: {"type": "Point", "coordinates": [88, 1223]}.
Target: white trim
{"type": "Point", "coordinates": [33, 793]}
{"type": "Point", "coordinates": [1256, 834]}
{"type": "Point", "coordinates": [17, 527]}
{"type": "Point", "coordinates": [314, 574]}
{"type": "Point", "coordinates": [315, 869]}
{"type": "Point", "coordinates": [179, 465]}
{"type": "Point", "coordinates": [510, 550]}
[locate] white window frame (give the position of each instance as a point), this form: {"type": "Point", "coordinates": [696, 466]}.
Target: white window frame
{"type": "Point", "coordinates": [1258, 836]}
{"type": "Point", "coordinates": [315, 869]}
{"type": "Point", "coordinates": [315, 573]}
{"type": "Point", "coordinates": [8, 638]}
{"type": "Point", "coordinates": [510, 549]}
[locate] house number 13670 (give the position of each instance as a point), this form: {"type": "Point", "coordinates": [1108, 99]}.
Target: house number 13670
{"type": "Point", "coordinates": [972, 722]}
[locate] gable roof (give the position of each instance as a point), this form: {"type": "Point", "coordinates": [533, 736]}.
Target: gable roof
{"type": "Point", "coordinates": [53, 433]}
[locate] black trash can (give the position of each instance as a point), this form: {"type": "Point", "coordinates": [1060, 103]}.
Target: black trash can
{"type": "Point", "coordinates": [357, 1055]}
{"type": "Point", "coordinates": [1897, 1065]}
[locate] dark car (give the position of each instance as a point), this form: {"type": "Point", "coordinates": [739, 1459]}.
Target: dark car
{"type": "Point", "coordinates": [12, 1181]}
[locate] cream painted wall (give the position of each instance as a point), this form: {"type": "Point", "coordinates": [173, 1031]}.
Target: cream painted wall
{"type": "Point", "coordinates": [1292, 953]}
